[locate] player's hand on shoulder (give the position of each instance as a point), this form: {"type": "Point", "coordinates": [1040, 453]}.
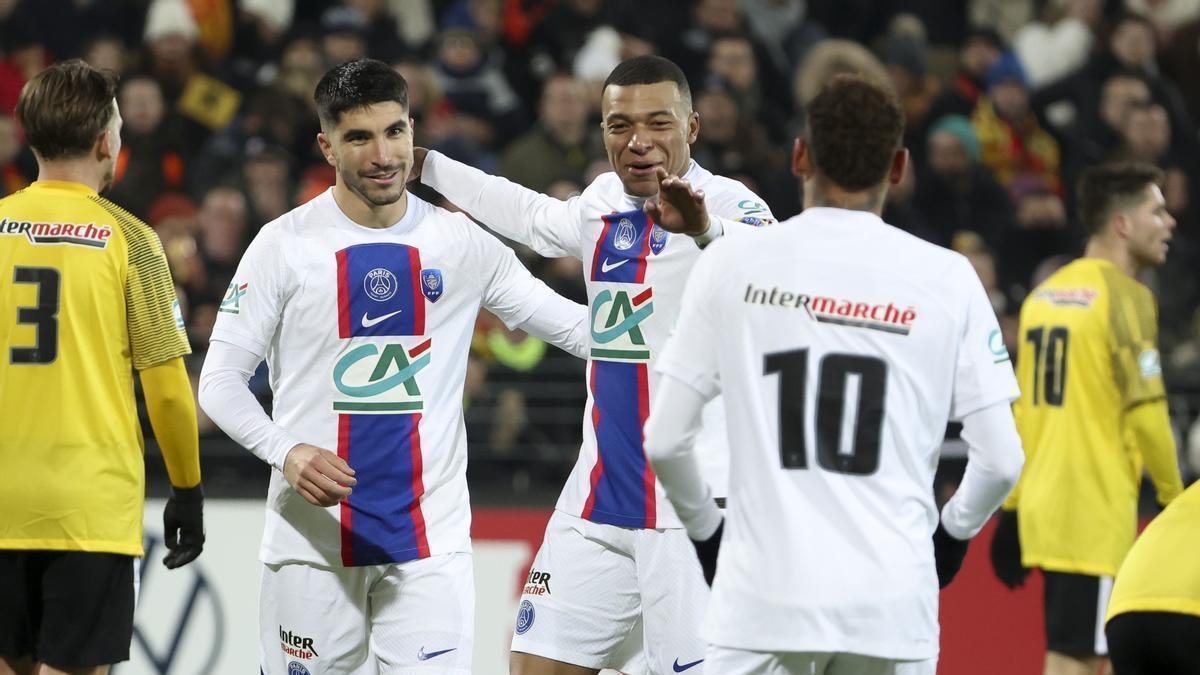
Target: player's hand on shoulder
{"type": "Point", "coordinates": [948, 554]}
{"type": "Point", "coordinates": [679, 208]}
{"type": "Point", "coordinates": [414, 172]}
{"type": "Point", "coordinates": [183, 526]}
{"type": "Point", "coordinates": [320, 476]}
{"type": "Point", "coordinates": [1006, 551]}
{"type": "Point", "coordinates": [707, 551]}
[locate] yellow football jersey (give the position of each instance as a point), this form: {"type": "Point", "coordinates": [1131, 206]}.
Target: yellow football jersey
{"type": "Point", "coordinates": [85, 297]}
{"type": "Point", "coordinates": [1162, 572]}
{"type": "Point", "coordinates": [1087, 355]}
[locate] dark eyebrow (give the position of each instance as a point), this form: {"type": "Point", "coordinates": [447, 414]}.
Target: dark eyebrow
{"type": "Point", "coordinates": [612, 117]}
{"type": "Point", "coordinates": [349, 133]}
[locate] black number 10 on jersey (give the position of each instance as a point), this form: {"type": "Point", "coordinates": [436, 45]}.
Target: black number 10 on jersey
{"type": "Point", "coordinates": [835, 374]}
{"type": "Point", "coordinates": [1049, 363]}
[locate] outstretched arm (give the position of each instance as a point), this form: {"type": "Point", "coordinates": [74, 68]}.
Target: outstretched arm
{"type": "Point", "coordinates": [549, 226]}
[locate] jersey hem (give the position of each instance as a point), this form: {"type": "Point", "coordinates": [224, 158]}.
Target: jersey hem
{"type": "Point", "coordinates": [1070, 567]}
{"type": "Point", "coordinates": [80, 546]}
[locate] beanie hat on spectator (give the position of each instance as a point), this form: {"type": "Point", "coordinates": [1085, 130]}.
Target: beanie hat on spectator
{"type": "Point", "coordinates": [170, 17]}
{"type": "Point", "coordinates": [961, 128]}
{"type": "Point", "coordinates": [907, 52]}
{"type": "Point", "coordinates": [1007, 68]}
{"type": "Point", "coordinates": [601, 52]}
{"type": "Point", "coordinates": [340, 19]}
{"type": "Point", "coordinates": [276, 14]}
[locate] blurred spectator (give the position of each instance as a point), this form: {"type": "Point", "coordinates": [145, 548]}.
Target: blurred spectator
{"type": "Point", "coordinates": [380, 29]}
{"type": "Point", "coordinates": [560, 145]}
{"type": "Point", "coordinates": [980, 49]}
{"type": "Point", "coordinates": [900, 207]}
{"type": "Point", "coordinates": [955, 192]}
{"type": "Point", "coordinates": [343, 34]}
{"type": "Point", "coordinates": [1059, 43]}
{"type": "Point", "coordinates": [829, 58]}
{"type": "Point", "coordinates": [487, 108]}
{"type": "Point", "coordinates": [14, 173]}
{"type": "Point", "coordinates": [733, 143]}
{"type": "Point", "coordinates": [785, 30]}
{"type": "Point", "coordinates": [1180, 60]}
{"type": "Point", "coordinates": [153, 159]}
{"type": "Point", "coordinates": [170, 36]}
{"type": "Point", "coordinates": [1145, 136]}
{"type": "Point", "coordinates": [1012, 142]}
{"type": "Point", "coordinates": [907, 65]}
{"type": "Point", "coordinates": [734, 65]}
{"type": "Point", "coordinates": [107, 52]}
{"type": "Point", "coordinates": [1005, 17]}
{"type": "Point", "coordinates": [222, 237]}
{"type": "Point", "coordinates": [1041, 233]}
{"type": "Point", "coordinates": [23, 57]}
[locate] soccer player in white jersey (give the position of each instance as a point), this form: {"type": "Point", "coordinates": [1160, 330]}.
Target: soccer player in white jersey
{"type": "Point", "coordinates": [842, 346]}
{"type": "Point", "coordinates": [363, 302]}
{"type": "Point", "coordinates": [615, 565]}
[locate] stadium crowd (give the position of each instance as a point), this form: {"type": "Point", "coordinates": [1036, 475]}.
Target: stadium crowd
{"type": "Point", "coordinates": [1007, 101]}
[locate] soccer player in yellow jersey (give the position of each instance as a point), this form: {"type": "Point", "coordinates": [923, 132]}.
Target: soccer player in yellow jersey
{"type": "Point", "coordinates": [1154, 612]}
{"type": "Point", "coordinates": [1092, 413]}
{"type": "Point", "coordinates": [85, 299]}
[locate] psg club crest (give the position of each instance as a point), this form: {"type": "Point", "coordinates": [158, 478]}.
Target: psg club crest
{"type": "Point", "coordinates": [380, 284]}
{"type": "Point", "coordinates": [432, 284]}
{"type": "Point", "coordinates": [658, 239]}
{"type": "Point", "coordinates": [625, 236]}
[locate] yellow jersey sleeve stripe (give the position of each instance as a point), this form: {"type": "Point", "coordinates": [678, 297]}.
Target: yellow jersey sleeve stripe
{"type": "Point", "coordinates": [155, 335]}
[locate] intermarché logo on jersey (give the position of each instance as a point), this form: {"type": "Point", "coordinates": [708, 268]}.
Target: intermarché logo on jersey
{"type": "Point", "coordinates": [616, 325]}
{"type": "Point", "coordinates": [538, 583]}
{"type": "Point", "coordinates": [886, 317]}
{"type": "Point", "coordinates": [297, 646]}
{"type": "Point", "coordinates": [87, 234]}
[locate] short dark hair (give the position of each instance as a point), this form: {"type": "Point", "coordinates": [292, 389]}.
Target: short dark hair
{"type": "Point", "coordinates": [65, 107]}
{"type": "Point", "coordinates": [1107, 188]}
{"type": "Point", "coordinates": [358, 84]}
{"type": "Point", "coordinates": [649, 69]}
{"type": "Point", "coordinates": [854, 126]}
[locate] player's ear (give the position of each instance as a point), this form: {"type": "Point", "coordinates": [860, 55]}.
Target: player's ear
{"type": "Point", "coordinates": [102, 148]}
{"type": "Point", "coordinates": [326, 148]}
{"type": "Point", "coordinates": [801, 158]}
{"type": "Point", "coordinates": [693, 127]}
{"type": "Point", "coordinates": [899, 166]}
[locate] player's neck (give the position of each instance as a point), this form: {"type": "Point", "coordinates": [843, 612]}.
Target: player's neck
{"type": "Point", "coordinates": [830, 196]}
{"type": "Point", "coordinates": [366, 214]}
{"type": "Point", "coordinates": [84, 171]}
{"type": "Point", "coordinates": [1114, 252]}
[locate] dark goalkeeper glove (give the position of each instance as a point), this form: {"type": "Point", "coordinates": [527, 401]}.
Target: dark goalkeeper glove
{"type": "Point", "coordinates": [948, 554]}
{"type": "Point", "coordinates": [1006, 552]}
{"type": "Point", "coordinates": [707, 550]}
{"type": "Point", "coordinates": [183, 526]}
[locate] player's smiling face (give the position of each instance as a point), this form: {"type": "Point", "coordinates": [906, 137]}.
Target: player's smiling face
{"type": "Point", "coordinates": [647, 126]}
{"type": "Point", "coordinates": [372, 149]}
{"type": "Point", "coordinates": [1151, 227]}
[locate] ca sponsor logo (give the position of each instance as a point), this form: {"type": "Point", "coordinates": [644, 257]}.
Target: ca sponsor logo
{"type": "Point", "coordinates": [296, 646]}
{"type": "Point", "coordinates": [374, 380]}
{"type": "Point", "coordinates": [996, 346]}
{"type": "Point", "coordinates": [538, 583]}
{"type": "Point", "coordinates": [232, 302]}
{"type": "Point", "coordinates": [616, 325]}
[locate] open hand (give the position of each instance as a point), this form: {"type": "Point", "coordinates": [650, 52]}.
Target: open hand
{"type": "Point", "coordinates": [320, 476]}
{"type": "Point", "coordinates": [679, 208]}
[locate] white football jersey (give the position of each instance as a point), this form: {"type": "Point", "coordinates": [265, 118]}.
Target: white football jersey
{"type": "Point", "coordinates": [842, 347]}
{"type": "Point", "coordinates": [366, 333]}
{"type": "Point", "coordinates": [635, 273]}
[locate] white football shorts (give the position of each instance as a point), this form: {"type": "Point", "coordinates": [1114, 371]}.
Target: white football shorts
{"type": "Point", "coordinates": [728, 661]}
{"type": "Point", "coordinates": [603, 596]}
{"type": "Point", "coordinates": [411, 617]}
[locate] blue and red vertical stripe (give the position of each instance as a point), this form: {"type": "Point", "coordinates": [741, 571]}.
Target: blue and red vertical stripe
{"type": "Point", "coordinates": [381, 522]}
{"type": "Point", "coordinates": [622, 481]}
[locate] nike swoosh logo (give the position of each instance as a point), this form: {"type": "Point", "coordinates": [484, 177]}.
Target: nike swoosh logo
{"type": "Point", "coordinates": [606, 268]}
{"type": "Point", "coordinates": [367, 321]}
{"type": "Point", "coordinates": [679, 669]}
{"type": "Point", "coordinates": [425, 656]}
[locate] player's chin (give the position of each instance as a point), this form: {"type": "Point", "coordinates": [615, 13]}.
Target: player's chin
{"type": "Point", "coordinates": [640, 186]}
{"type": "Point", "coordinates": [383, 196]}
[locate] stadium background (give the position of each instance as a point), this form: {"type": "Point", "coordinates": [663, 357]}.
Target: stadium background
{"type": "Point", "coordinates": [1006, 100]}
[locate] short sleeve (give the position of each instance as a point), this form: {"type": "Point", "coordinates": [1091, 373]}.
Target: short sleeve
{"type": "Point", "coordinates": [510, 291]}
{"type": "Point", "coordinates": [1136, 364]}
{"type": "Point", "coordinates": [690, 354]}
{"type": "Point", "coordinates": [250, 310]}
{"type": "Point", "coordinates": [983, 372]}
{"type": "Point", "coordinates": [156, 329]}
{"type": "Point", "coordinates": [738, 204]}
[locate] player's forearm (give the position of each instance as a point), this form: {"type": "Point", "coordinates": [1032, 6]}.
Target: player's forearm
{"type": "Point", "coordinates": [994, 462]}
{"type": "Point", "coordinates": [561, 323]}
{"type": "Point", "coordinates": [511, 210]}
{"type": "Point", "coordinates": [669, 440]}
{"type": "Point", "coordinates": [172, 411]}
{"type": "Point", "coordinates": [226, 397]}
{"type": "Point", "coordinates": [1151, 427]}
